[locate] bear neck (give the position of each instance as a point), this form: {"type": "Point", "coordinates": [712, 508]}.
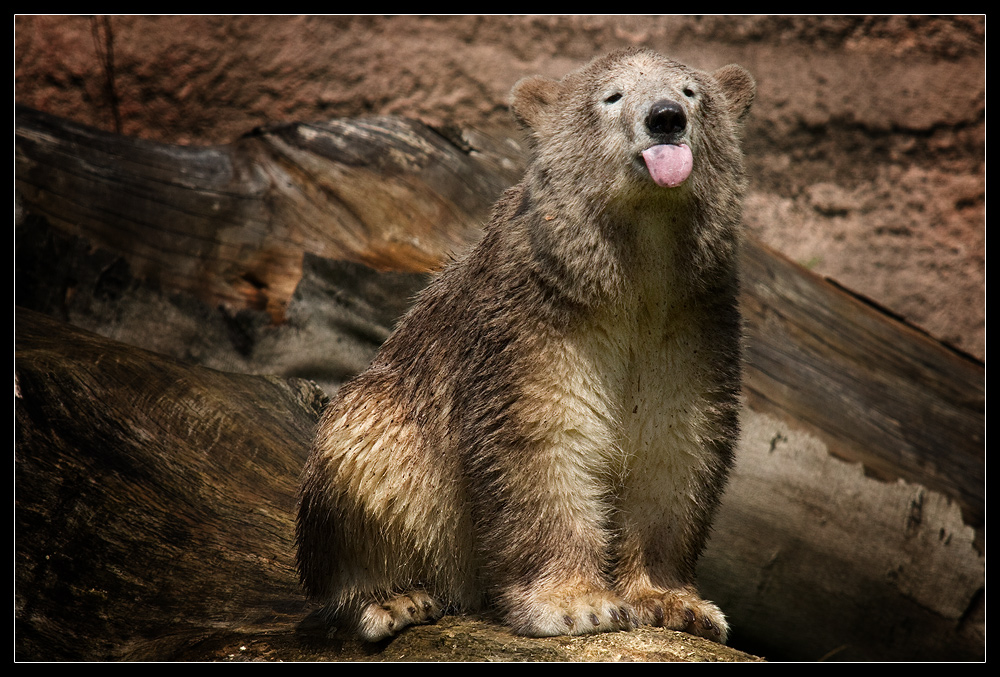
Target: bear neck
{"type": "Point", "coordinates": [614, 249]}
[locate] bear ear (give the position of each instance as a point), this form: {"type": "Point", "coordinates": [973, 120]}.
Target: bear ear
{"type": "Point", "coordinates": [531, 96]}
{"type": "Point", "coordinates": [739, 87]}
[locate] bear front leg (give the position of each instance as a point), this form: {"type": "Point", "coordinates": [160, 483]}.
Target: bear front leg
{"type": "Point", "coordinates": [545, 544]}
{"type": "Point", "coordinates": [680, 609]}
{"type": "Point", "coordinates": [659, 586]}
{"type": "Point", "coordinates": [566, 608]}
{"type": "Point", "coordinates": [666, 505]}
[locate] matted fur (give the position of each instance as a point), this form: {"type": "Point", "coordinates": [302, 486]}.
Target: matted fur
{"type": "Point", "coordinates": [548, 432]}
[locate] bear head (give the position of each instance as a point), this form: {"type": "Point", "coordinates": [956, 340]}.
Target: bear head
{"type": "Point", "coordinates": [634, 120]}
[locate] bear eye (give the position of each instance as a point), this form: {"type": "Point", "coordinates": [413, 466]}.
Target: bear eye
{"type": "Point", "coordinates": [688, 92]}
{"type": "Point", "coordinates": [614, 97]}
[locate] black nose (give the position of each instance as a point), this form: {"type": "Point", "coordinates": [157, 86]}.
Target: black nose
{"type": "Point", "coordinates": [666, 117]}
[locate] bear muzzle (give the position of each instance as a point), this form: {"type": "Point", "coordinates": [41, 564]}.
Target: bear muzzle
{"type": "Point", "coordinates": [666, 118]}
{"type": "Point", "coordinates": [669, 162]}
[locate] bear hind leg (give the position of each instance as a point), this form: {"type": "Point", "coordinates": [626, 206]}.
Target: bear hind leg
{"type": "Point", "coordinates": [380, 621]}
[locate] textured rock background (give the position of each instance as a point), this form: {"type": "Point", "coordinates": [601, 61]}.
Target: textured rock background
{"type": "Point", "coordinates": [866, 144]}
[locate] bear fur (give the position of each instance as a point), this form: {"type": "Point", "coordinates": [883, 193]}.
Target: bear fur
{"type": "Point", "coordinates": [547, 433]}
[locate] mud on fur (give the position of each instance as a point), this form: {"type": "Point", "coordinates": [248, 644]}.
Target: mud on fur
{"type": "Point", "coordinates": [547, 433]}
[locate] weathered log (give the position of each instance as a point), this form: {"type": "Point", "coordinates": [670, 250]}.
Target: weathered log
{"type": "Point", "coordinates": [856, 511]}
{"type": "Point", "coordinates": [881, 391]}
{"type": "Point", "coordinates": [837, 388]}
{"type": "Point", "coordinates": [229, 224]}
{"type": "Point", "coordinates": [154, 498]}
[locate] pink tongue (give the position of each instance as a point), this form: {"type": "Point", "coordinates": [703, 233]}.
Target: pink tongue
{"type": "Point", "coordinates": [669, 165]}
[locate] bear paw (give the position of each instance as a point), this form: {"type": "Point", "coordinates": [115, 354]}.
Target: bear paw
{"type": "Point", "coordinates": [685, 611]}
{"type": "Point", "coordinates": [379, 621]}
{"type": "Point", "coordinates": [573, 615]}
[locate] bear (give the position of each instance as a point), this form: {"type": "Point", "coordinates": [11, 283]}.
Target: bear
{"type": "Point", "coordinates": [547, 433]}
